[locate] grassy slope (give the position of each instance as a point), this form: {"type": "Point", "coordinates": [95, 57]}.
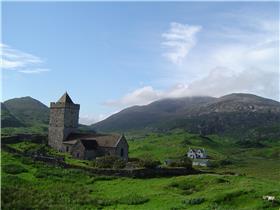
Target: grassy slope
{"type": "Point", "coordinates": [55, 188]}
{"type": "Point", "coordinates": [259, 162]}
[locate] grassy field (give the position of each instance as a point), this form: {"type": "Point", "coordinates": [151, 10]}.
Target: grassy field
{"type": "Point", "coordinates": [32, 185]}
{"type": "Point", "coordinates": [263, 162]}
{"type": "Point", "coordinates": [29, 185]}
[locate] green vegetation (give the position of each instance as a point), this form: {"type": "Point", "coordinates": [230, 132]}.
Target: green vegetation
{"type": "Point", "coordinates": [56, 188]}
{"type": "Point", "coordinates": [226, 154]}
{"type": "Point", "coordinates": [108, 162]}
{"type": "Point", "coordinates": [7, 119]}
{"type": "Point", "coordinates": [38, 129]}
{"type": "Point", "coordinates": [28, 110]}
{"type": "Point", "coordinates": [255, 169]}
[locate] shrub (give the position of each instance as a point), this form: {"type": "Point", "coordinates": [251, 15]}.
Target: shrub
{"type": "Point", "coordinates": [182, 162]}
{"type": "Point", "coordinates": [14, 169]}
{"type": "Point", "coordinates": [188, 188]}
{"type": "Point", "coordinates": [134, 159]}
{"type": "Point", "coordinates": [119, 164]}
{"type": "Point", "coordinates": [149, 163]}
{"type": "Point", "coordinates": [220, 163]}
{"type": "Point", "coordinates": [108, 162]}
{"type": "Point", "coordinates": [194, 201]}
{"type": "Point", "coordinates": [225, 162]}
{"type": "Point", "coordinates": [133, 199]}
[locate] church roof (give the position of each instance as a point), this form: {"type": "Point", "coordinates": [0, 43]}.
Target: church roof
{"type": "Point", "coordinates": [65, 99]}
{"type": "Point", "coordinates": [101, 140]}
{"type": "Point", "coordinates": [89, 144]}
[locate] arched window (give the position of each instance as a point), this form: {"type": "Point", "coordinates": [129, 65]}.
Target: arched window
{"type": "Point", "coordinates": [122, 152]}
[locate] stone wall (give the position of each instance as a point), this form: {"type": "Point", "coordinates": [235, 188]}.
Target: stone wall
{"type": "Point", "coordinates": [63, 121]}
{"type": "Point", "coordinates": [35, 138]}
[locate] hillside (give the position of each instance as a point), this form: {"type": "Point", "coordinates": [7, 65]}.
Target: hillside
{"type": "Point", "coordinates": [231, 113]}
{"type": "Point", "coordinates": [29, 110]}
{"type": "Point", "coordinates": [7, 119]}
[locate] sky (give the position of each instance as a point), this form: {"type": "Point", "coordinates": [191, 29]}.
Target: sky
{"type": "Point", "coordinates": [112, 55]}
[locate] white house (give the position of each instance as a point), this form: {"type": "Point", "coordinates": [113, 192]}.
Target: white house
{"type": "Point", "coordinates": [197, 153]}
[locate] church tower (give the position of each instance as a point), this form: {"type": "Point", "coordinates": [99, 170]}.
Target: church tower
{"type": "Point", "coordinates": [64, 118]}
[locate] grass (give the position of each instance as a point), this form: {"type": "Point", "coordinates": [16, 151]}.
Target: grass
{"type": "Point", "coordinates": [51, 187]}
{"type": "Point", "coordinates": [220, 149]}
{"type": "Point", "coordinates": [56, 188]}
{"type": "Point", "coordinates": [38, 129]}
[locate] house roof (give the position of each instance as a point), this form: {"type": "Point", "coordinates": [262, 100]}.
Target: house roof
{"type": "Point", "coordinates": [101, 139]}
{"type": "Point", "coordinates": [65, 99]}
{"type": "Point", "coordinates": [195, 150]}
{"type": "Point", "coordinates": [89, 144]}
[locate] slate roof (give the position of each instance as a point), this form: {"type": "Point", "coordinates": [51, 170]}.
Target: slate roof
{"type": "Point", "coordinates": [101, 139]}
{"type": "Point", "coordinates": [89, 144]}
{"type": "Point", "coordinates": [65, 99]}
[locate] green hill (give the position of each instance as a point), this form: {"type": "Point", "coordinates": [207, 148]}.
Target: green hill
{"type": "Point", "coordinates": [29, 110]}
{"type": "Point", "coordinates": [7, 119]}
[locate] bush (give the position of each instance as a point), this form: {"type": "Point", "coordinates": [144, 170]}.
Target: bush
{"type": "Point", "coordinates": [133, 199]}
{"type": "Point", "coordinates": [183, 162]}
{"type": "Point", "coordinates": [187, 187]}
{"type": "Point", "coordinates": [225, 162]}
{"type": "Point", "coordinates": [220, 163]}
{"type": "Point", "coordinates": [108, 162]}
{"type": "Point", "coordinates": [14, 169]}
{"type": "Point", "coordinates": [134, 159]}
{"type": "Point", "coordinates": [149, 163]}
{"type": "Point", "coordinates": [119, 164]}
{"type": "Point", "coordinates": [194, 201]}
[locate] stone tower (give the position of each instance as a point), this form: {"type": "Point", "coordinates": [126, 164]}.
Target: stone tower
{"type": "Point", "coordinates": [64, 117]}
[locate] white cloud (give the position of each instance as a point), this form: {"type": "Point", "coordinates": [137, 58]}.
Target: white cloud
{"type": "Point", "coordinates": [219, 82]}
{"type": "Point", "coordinates": [12, 59]}
{"type": "Point", "coordinates": [90, 119]}
{"type": "Point", "coordinates": [241, 57]}
{"type": "Point", "coordinates": [179, 40]}
{"type": "Point", "coordinates": [34, 71]}
{"type": "Point", "coordinates": [140, 96]}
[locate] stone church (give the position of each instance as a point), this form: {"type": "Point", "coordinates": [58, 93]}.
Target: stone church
{"type": "Point", "coordinates": [64, 136]}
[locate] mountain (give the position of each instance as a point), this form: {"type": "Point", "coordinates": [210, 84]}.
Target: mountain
{"type": "Point", "coordinates": [206, 115]}
{"type": "Point", "coordinates": [7, 119]}
{"type": "Point", "coordinates": [28, 110]}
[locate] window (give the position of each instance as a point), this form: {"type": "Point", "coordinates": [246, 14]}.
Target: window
{"type": "Point", "coordinates": [78, 155]}
{"type": "Point", "coordinates": [122, 152]}
{"type": "Point", "coordinates": [67, 149]}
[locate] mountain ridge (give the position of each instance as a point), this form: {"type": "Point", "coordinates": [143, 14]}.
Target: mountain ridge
{"type": "Point", "coordinates": [198, 114]}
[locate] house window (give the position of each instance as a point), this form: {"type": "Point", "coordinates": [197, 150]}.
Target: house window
{"type": "Point", "coordinates": [121, 152]}
{"type": "Point", "coordinates": [67, 149]}
{"type": "Point", "coordinates": [78, 155]}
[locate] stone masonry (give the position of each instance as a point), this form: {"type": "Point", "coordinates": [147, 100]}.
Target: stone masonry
{"type": "Point", "coordinates": [64, 117]}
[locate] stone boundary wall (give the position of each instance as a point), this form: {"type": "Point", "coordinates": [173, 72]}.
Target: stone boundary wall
{"type": "Point", "coordinates": [35, 138]}
{"type": "Point", "coordinates": [132, 173]}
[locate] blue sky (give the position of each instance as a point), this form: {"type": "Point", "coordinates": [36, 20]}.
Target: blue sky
{"type": "Point", "coordinates": [110, 56]}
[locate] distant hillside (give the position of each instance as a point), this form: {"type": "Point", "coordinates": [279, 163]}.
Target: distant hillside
{"type": "Point", "coordinates": [206, 115]}
{"type": "Point", "coordinates": [7, 119]}
{"type": "Point", "coordinates": [29, 113]}
{"type": "Point", "coordinates": [28, 110]}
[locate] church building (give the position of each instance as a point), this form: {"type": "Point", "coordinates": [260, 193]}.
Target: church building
{"type": "Point", "coordinates": [64, 136]}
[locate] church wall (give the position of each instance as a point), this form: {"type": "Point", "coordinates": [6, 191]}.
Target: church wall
{"type": "Point", "coordinates": [63, 121]}
{"type": "Point", "coordinates": [78, 151]}
{"type": "Point", "coordinates": [122, 149]}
